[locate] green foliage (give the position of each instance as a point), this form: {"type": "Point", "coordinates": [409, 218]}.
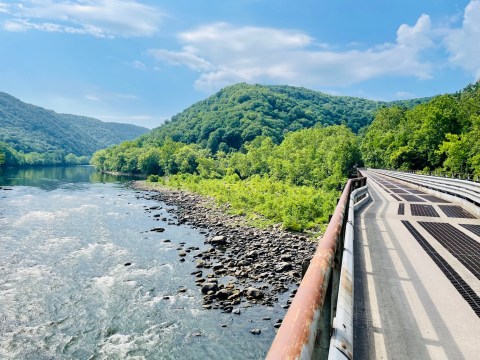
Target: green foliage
{"type": "Point", "coordinates": [153, 178]}
{"type": "Point", "coordinates": [442, 134]}
{"type": "Point", "coordinates": [10, 158]}
{"type": "Point", "coordinates": [315, 157]}
{"type": "Point", "coordinates": [294, 183]}
{"type": "Point", "coordinates": [45, 137]}
{"type": "Point", "coordinates": [240, 113]}
{"type": "Point", "coordinates": [295, 207]}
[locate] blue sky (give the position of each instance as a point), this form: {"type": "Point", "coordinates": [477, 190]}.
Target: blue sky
{"type": "Point", "coordinates": [143, 61]}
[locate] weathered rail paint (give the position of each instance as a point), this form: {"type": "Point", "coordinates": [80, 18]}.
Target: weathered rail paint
{"type": "Point", "coordinates": [299, 334]}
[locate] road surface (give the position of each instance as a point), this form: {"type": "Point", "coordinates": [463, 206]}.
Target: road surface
{"type": "Point", "coordinates": [417, 276]}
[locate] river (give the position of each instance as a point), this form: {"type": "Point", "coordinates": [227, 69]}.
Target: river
{"type": "Point", "coordinates": [67, 291]}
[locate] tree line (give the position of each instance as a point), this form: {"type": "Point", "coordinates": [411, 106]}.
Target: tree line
{"type": "Point", "coordinates": [440, 135]}
{"type": "Point", "coordinates": [9, 157]}
{"type": "Point", "coordinates": [295, 183]}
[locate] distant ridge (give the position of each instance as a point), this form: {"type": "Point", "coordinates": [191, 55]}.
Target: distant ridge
{"type": "Point", "coordinates": [31, 128]}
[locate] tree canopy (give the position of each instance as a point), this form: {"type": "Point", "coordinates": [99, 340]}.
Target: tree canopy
{"type": "Point", "coordinates": [239, 113]}
{"type": "Point", "coordinates": [442, 134]}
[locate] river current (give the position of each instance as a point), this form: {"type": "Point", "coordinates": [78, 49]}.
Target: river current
{"type": "Point", "coordinates": [82, 277]}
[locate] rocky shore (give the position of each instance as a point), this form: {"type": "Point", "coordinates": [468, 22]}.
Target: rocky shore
{"type": "Point", "coordinates": [242, 265]}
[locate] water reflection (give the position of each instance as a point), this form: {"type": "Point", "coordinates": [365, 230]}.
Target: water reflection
{"type": "Point", "coordinates": [51, 178]}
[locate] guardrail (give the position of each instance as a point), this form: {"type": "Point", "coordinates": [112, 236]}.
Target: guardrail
{"type": "Point", "coordinates": [306, 331]}
{"type": "Point", "coordinates": [463, 189]}
{"type": "Point", "coordinates": [445, 174]}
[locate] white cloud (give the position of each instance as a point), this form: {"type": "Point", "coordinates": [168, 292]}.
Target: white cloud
{"type": "Point", "coordinates": [137, 64]}
{"type": "Point", "coordinates": [224, 54]}
{"type": "Point", "coordinates": [3, 8]}
{"type": "Point", "coordinates": [418, 36]}
{"type": "Point", "coordinates": [181, 58]}
{"type": "Point", "coordinates": [404, 95]}
{"type": "Point", "coordinates": [463, 44]}
{"type": "Point", "coordinates": [100, 18]}
{"type": "Point", "coordinates": [92, 97]}
{"type": "Point", "coordinates": [108, 96]}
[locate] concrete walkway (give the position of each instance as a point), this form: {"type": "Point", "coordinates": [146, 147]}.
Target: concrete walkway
{"type": "Point", "coordinates": [405, 305]}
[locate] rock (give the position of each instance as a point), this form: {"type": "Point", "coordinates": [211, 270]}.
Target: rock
{"type": "Point", "coordinates": [283, 266]}
{"type": "Point", "coordinates": [223, 294]}
{"type": "Point", "coordinates": [286, 258]}
{"type": "Point", "coordinates": [217, 266]}
{"type": "Point", "coordinates": [236, 312]}
{"type": "Point", "coordinates": [209, 286]}
{"type": "Point", "coordinates": [293, 274]}
{"type": "Point", "coordinates": [244, 263]}
{"type": "Point", "coordinates": [218, 240]}
{"type": "Point", "coordinates": [227, 309]}
{"type": "Point", "coordinates": [254, 293]}
{"type": "Point", "coordinates": [256, 331]}
{"type": "Point", "coordinates": [266, 257]}
{"type": "Point", "coordinates": [182, 253]}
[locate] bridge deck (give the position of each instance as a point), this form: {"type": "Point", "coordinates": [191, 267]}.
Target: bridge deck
{"type": "Point", "coordinates": [416, 282]}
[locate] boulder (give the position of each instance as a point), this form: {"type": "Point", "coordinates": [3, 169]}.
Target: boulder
{"type": "Point", "coordinates": [209, 286]}
{"type": "Point", "coordinates": [254, 293]}
{"type": "Point", "coordinates": [223, 294]}
{"type": "Point", "coordinates": [218, 240]}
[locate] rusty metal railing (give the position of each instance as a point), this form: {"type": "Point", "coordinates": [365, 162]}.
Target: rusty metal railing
{"type": "Point", "coordinates": [306, 329]}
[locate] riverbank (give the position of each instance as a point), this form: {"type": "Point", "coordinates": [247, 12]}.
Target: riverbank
{"type": "Point", "coordinates": [242, 265]}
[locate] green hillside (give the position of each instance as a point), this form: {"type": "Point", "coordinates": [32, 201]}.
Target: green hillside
{"type": "Point", "coordinates": [240, 147]}
{"type": "Point", "coordinates": [241, 112]}
{"type": "Point", "coordinates": [442, 134]}
{"type": "Point", "coordinates": [233, 117]}
{"type": "Point", "coordinates": [29, 129]}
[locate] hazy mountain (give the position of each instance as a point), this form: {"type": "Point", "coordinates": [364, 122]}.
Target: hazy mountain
{"type": "Point", "coordinates": [30, 128]}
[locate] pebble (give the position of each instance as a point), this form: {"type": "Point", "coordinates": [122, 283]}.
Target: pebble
{"type": "Point", "coordinates": [266, 260]}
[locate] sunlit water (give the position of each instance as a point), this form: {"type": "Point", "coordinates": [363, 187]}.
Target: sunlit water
{"type": "Point", "coordinates": [65, 292]}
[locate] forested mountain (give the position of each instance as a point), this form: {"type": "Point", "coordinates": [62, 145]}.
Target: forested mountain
{"type": "Point", "coordinates": [442, 134]}
{"type": "Point", "coordinates": [29, 129]}
{"type": "Point", "coordinates": [233, 117]}
{"type": "Point", "coordinates": [279, 154]}
{"type": "Point", "coordinates": [241, 112]}
{"type": "Point", "coordinates": [246, 147]}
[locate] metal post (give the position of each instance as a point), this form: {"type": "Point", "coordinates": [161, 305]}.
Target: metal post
{"type": "Point", "coordinates": [322, 341]}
